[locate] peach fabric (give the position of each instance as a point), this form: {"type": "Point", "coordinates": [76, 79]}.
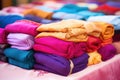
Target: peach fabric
{"type": "Point", "coordinates": [39, 13]}
{"type": "Point", "coordinates": [107, 29]}
{"type": "Point", "coordinates": [94, 58]}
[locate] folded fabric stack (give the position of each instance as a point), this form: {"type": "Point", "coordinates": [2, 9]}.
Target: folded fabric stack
{"type": "Point", "coordinates": [112, 19]}
{"type": "Point", "coordinates": [21, 38]}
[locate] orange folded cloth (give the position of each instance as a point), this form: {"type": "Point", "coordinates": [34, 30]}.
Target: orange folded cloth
{"type": "Point", "coordinates": [107, 29]}
{"type": "Point", "coordinates": [92, 30]}
{"type": "Point", "coordinates": [106, 41]}
{"type": "Point", "coordinates": [75, 35]}
{"type": "Point", "coordinates": [61, 26]}
{"type": "Point", "coordinates": [94, 58]}
{"type": "Point", "coordinates": [39, 13]}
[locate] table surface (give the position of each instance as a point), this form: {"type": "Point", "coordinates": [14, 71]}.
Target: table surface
{"type": "Point", "coordinates": [108, 70]}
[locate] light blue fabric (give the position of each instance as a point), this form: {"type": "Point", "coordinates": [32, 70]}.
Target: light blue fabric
{"type": "Point", "coordinates": [63, 15]}
{"type": "Point", "coordinates": [19, 55]}
{"type": "Point", "coordinates": [45, 8]}
{"type": "Point", "coordinates": [26, 65]}
{"type": "Point", "coordinates": [71, 8]}
{"type": "Point", "coordinates": [112, 19]}
{"type": "Point", "coordinates": [87, 14]}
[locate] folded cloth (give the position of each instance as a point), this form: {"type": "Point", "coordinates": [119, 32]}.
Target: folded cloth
{"type": "Point", "coordinates": [39, 13]}
{"type": "Point", "coordinates": [61, 26]}
{"type": "Point", "coordinates": [74, 35]}
{"type": "Point", "coordinates": [107, 29]}
{"type": "Point", "coordinates": [63, 48]}
{"type": "Point", "coordinates": [117, 46]}
{"type": "Point", "coordinates": [93, 44]}
{"type": "Point", "coordinates": [107, 41]}
{"type": "Point", "coordinates": [60, 65]}
{"type": "Point", "coordinates": [107, 9]}
{"type": "Point", "coordinates": [3, 58]}
{"type": "Point", "coordinates": [111, 19]}
{"type": "Point", "coordinates": [8, 19]}
{"type": "Point", "coordinates": [23, 26]}
{"type": "Point", "coordinates": [20, 41]}
{"type": "Point", "coordinates": [71, 8]}
{"type": "Point", "coordinates": [3, 36]}
{"type": "Point", "coordinates": [26, 65]}
{"type": "Point", "coordinates": [19, 55]}
{"type": "Point", "coordinates": [92, 29]}
{"type": "Point", "coordinates": [64, 15]}
{"type": "Point", "coordinates": [86, 14]}
{"type": "Point", "coordinates": [94, 58]}
{"type": "Point", "coordinates": [107, 52]}
{"type": "Point", "coordinates": [38, 19]}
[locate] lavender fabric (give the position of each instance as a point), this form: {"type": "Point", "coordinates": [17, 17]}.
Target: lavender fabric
{"type": "Point", "coordinates": [23, 26]}
{"type": "Point", "coordinates": [113, 3]}
{"type": "Point", "coordinates": [38, 19]}
{"type": "Point", "coordinates": [20, 41]}
{"type": "Point", "coordinates": [59, 65]}
{"type": "Point", "coordinates": [59, 47]}
{"type": "Point", "coordinates": [107, 51]}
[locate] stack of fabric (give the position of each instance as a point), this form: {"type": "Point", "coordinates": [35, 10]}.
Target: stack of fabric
{"type": "Point", "coordinates": [21, 38]}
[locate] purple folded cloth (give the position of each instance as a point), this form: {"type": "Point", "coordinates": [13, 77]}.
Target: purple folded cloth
{"type": "Point", "coordinates": [23, 26]}
{"type": "Point", "coordinates": [107, 51]}
{"type": "Point", "coordinates": [3, 35]}
{"type": "Point", "coordinates": [20, 41]}
{"type": "Point", "coordinates": [113, 3]}
{"type": "Point", "coordinates": [59, 47]}
{"type": "Point", "coordinates": [60, 65]}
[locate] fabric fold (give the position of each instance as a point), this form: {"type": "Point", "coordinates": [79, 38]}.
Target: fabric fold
{"type": "Point", "coordinates": [59, 65]}
{"type": "Point", "coordinates": [20, 41]}
{"type": "Point", "coordinates": [64, 48]}
{"type": "Point", "coordinates": [23, 26]}
{"type": "Point", "coordinates": [3, 36]}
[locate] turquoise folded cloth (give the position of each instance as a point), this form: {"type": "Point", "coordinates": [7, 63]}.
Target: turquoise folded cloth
{"type": "Point", "coordinates": [26, 65]}
{"type": "Point", "coordinates": [86, 14]}
{"type": "Point", "coordinates": [19, 55]}
{"type": "Point", "coordinates": [71, 8]}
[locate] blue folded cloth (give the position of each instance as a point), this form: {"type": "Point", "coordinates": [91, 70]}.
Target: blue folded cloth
{"type": "Point", "coordinates": [7, 19]}
{"type": "Point", "coordinates": [112, 19]}
{"type": "Point", "coordinates": [19, 55]}
{"type": "Point", "coordinates": [71, 8]}
{"type": "Point", "coordinates": [86, 14]}
{"type": "Point", "coordinates": [26, 65]}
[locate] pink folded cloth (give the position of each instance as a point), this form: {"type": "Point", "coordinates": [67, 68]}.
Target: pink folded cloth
{"type": "Point", "coordinates": [59, 47]}
{"type": "Point", "coordinates": [117, 46]}
{"type": "Point", "coordinates": [3, 35]}
{"type": "Point", "coordinates": [23, 26]}
{"type": "Point", "coordinates": [93, 44]}
{"type": "Point", "coordinates": [20, 41]}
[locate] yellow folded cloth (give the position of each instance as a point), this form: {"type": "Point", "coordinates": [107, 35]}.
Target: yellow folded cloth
{"type": "Point", "coordinates": [92, 30]}
{"type": "Point", "coordinates": [74, 37]}
{"type": "Point", "coordinates": [107, 29]}
{"type": "Point", "coordinates": [61, 26]}
{"type": "Point", "coordinates": [94, 58]}
{"type": "Point", "coordinates": [39, 13]}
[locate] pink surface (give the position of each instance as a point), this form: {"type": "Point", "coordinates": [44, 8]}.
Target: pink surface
{"type": "Point", "coordinates": [109, 70]}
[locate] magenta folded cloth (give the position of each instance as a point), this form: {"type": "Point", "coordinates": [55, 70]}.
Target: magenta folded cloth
{"type": "Point", "coordinates": [107, 51]}
{"type": "Point", "coordinates": [20, 41]}
{"type": "Point", "coordinates": [59, 47]}
{"type": "Point", "coordinates": [23, 26]}
{"type": "Point", "coordinates": [3, 34]}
